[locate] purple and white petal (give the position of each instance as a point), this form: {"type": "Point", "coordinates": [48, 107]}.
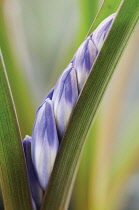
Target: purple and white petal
{"type": "Point", "coordinates": [83, 61]}
{"type": "Point", "coordinates": [36, 191]}
{"type": "Point", "coordinates": [99, 35]}
{"type": "Point", "coordinates": [45, 143]}
{"type": "Point", "coordinates": [64, 98]}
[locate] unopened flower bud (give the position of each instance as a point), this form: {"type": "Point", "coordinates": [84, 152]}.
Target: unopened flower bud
{"type": "Point", "coordinates": [45, 142]}
{"type": "Point", "coordinates": [53, 114]}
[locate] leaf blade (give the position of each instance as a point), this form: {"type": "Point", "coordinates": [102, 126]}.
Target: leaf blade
{"type": "Point", "coordinates": [13, 175]}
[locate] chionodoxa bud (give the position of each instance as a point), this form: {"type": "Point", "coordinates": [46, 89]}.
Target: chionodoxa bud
{"type": "Point", "coordinates": [53, 114]}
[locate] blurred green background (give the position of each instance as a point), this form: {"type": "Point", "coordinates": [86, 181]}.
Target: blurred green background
{"type": "Point", "coordinates": [38, 39]}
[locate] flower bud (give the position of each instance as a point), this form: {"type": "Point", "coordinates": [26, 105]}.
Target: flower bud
{"type": "Point", "coordinates": [36, 190]}
{"type": "Point", "coordinates": [53, 114]}
{"type": "Point", "coordinates": [83, 61]}
{"type": "Point", "coordinates": [99, 35]}
{"type": "Point", "coordinates": [71, 81]}
{"type": "Point", "coordinates": [64, 98]}
{"type": "Point", "coordinates": [45, 142]}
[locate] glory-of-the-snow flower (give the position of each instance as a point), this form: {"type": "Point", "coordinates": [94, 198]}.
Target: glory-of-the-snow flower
{"type": "Point", "coordinates": [53, 114]}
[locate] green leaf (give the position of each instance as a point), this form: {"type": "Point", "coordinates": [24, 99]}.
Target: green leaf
{"type": "Point", "coordinates": [13, 174]}
{"type": "Point", "coordinates": [61, 182]}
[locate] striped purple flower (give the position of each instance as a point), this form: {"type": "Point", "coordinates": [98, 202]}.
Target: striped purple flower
{"type": "Point", "coordinates": [53, 115]}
